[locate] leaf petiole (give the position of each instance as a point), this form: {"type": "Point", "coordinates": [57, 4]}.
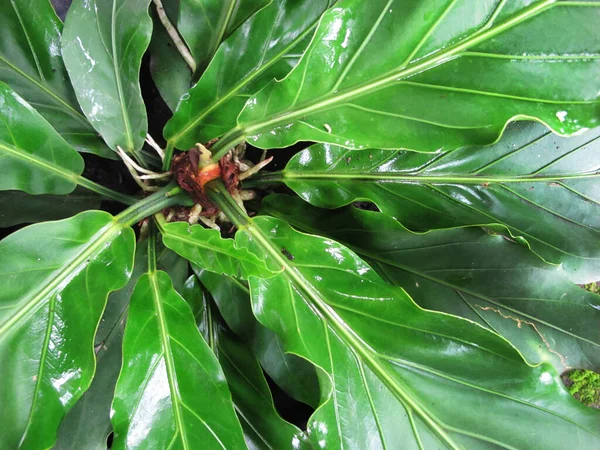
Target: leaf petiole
{"type": "Point", "coordinates": [169, 195]}
{"type": "Point", "coordinates": [104, 191]}
{"type": "Point", "coordinates": [218, 193]}
{"type": "Point", "coordinates": [232, 138]}
{"type": "Point", "coordinates": [168, 156]}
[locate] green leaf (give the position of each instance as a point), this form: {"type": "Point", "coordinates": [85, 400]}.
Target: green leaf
{"type": "Point", "coordinates": [542, 187]}
{"type": "Point", "coordinates": [467, 272]}
{"type": "Point", "coordinates": [292, 374]}
{"type": "Point", "coordinates": [171, 390]}
{"type": "Point", "coordinates": [255, 54]}
{"type": "Point", "coordinates": [262, 425]}
{"type": "Point", "coordinates": [33, 157]}
{"type": "Point", "coordinates": [103, 44]}
{"type": "Point", "coordinates": [87, 425]}
{"type": "Point", "coordinates": [177, 267]}
{"type": "Point", "coordinates": [54, 280]}
{"type": "Point", "coordinates": [166, 260]}
{"type": "Point", "coordinates": [170, 73]}
{"type": "Point", "coordinates": [31, 63]}
{"type": "Point", "coordinates": [430, 75]}
{"type": "Point", "coordinates": [403, 377]}
{"type": "Point", "coordinates": [205, 24]}
{"type": "Point", "coordinates": [207, 249]}
{"type": "Point", "coordinates": [18, 207]}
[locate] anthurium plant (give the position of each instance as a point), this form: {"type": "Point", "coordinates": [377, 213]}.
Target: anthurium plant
{"type": "Point", "coordinates": [380, 209]}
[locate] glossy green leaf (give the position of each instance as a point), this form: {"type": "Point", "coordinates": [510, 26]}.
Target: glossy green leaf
{"type": "Point", "coordinates": [255, 54]}
{"type": "Point", "coordinates": [207, 249]}
{"type": "Point", "coordinates": [102, 45]}
{"type": "Point", "coordinates": [403, 377]}
{"type": "Point", "coordinates": [87, 425]}
{"type": "Point", "coordinates": [467, 272]}
{"type": "Point", "coordinates": [171, 391]}
{"type": "Point", "coordinates": [544, 188]}
{"type": "Point", "coordinates": [170, 73]}
{"type": "Point", "coordinates": [431, 74]}
{"type": "Point", "coordinates": [292, 374]}
{"type": "Point", "coordinates": [18, 207]}
{"type": "Point", "coordinates": [262, 425]}
{"type": "Point", "coordinates": [176, 267]}
{"type": "Point", "coordinates": [205, 24]}
{"type": "Point", "coordinates": [33, 157]}
{"type": "Point", "coordinates": [54, 280]}
{"type": "Point", "coordinates": [31, 63]}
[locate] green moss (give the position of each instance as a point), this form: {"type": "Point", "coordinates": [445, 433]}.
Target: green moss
{"type": "Point", "coordinates": [585, 386]}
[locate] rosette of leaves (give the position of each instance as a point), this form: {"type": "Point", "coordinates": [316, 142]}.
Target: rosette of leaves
{"type": "Point", "coordinates": [420, 289]}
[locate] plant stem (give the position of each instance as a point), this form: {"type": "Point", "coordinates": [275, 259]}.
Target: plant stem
{"type": "Point", "coordinates": [229, 140]}
{"type": "Point", "coordinates": [174, 35]}
{"type": "Point", "coordinates": [166, 164]}
{"type": "Point", "coordinates": [169, 195]}
{"type": "Point", "coordinates": [104, 191]}
{"type": "Point", "coordinates": [217, 192]}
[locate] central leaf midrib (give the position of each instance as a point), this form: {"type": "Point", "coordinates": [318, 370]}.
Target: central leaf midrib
{"type": "Point", "coordinates": [293, 275]}
{"type": "Point", "coordinates": [30, 158]}
{"type": "Point", "coordinates": [167, 352]}
{"type": "Point", "coordinates": [40, 378]}
{"type": "Point", "coordinates": [71, 110]}
{"type": "Point", "coordinates": [370, 357]}
{"type": "Point", "coordinates": [224, 26]}
{"type": "Point", "coordinates": [430, 179]}
{"type": "Point", "coordinates": [104, 235]}
{"type": "Point", "coordinates": [333, 98]}
{"type": "Point", "coordinates": [127, 125]}
{"type": "Point", "coordinates": [236, 88]}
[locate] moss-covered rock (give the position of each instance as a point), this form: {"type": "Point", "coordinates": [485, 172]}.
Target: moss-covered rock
{"type": "Point", "coordinates": [584, 385]}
